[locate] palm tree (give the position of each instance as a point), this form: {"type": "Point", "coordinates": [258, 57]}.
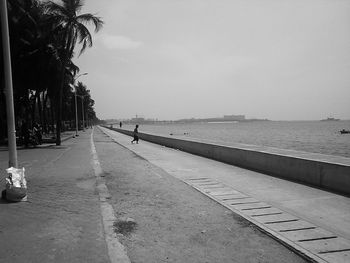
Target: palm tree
{"type": "Point", "coordinates": [71, 30]}
{"type": "Point", "coordinates": [37, 63]}
{"type": "Point", "coordinates": [33, 57]}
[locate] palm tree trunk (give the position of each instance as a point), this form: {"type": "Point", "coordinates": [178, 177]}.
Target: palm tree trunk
{"type": "Point", "coordinates": [59, 107]}
{"type": "Point", "coordinates": [66, 56]}
{"type": "Point", "coordinates": [52, 111]}
{"type": "Point", "coordinates": [36, 105]}
{"type": "Point", "coordinates": [45, 112]}
{"type": "Point", "coordinates": [32, 105]}
{"type": "Point", "coordinates": [40, 109]}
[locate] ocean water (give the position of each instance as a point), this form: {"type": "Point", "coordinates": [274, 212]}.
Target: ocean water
{"type": "Point", "coordinates": [307, 136]}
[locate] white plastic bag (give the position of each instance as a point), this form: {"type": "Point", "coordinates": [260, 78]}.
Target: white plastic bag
{"type": "Point", "coordinates": [16, 185]}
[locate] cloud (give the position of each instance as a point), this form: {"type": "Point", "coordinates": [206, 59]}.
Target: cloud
{"type": "Point", "coordinates": [120, 42]}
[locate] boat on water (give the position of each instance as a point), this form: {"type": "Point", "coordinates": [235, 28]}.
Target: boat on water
{"type": "Point", "coordinates": [331, 119]}
{"type": "Point", "coordinates": [343, 131]}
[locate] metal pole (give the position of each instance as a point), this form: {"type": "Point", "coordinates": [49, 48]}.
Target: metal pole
{"type": "Point", "coordinates": [10, 112]}
{"type": "Point", "coordinates": [82, 110]}
{"type": "Point", "coordinates": [76, 113]}
{"type": "Point", "coordinates": [76, 104]}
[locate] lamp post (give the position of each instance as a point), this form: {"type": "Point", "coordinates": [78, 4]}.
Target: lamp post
{"type": "Point", "coordinates": [82, 108]}
{"type": "Point", "coordinates": [75, 100]}
{"type": "Point", "coordinates": [76, 112]}
{"type": "Point", "coordinates": [10, 113]}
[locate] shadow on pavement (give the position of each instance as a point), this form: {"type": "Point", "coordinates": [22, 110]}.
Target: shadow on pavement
{"type": "Point", "coordinates": [40, 147]}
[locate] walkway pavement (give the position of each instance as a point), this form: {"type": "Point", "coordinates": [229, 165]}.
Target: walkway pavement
{"type": "Point", "coordinates": [61, 221]}
{"type": "Point", "coordinates": [312, 221]}
{"type": "Point", "coordinates": [68, 207]}
{"type": "Point", "coordinates": [70, 214]}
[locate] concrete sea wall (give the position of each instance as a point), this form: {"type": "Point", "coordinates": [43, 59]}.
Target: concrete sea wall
{"type": "Point", "coordinates": [327, 172]}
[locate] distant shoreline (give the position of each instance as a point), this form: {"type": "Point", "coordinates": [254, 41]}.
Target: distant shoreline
{"type": "Point", "coordinates": [212, 120]}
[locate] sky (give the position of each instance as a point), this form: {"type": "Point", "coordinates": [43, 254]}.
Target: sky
{"type": "Point", "coordinates": [174, 59]}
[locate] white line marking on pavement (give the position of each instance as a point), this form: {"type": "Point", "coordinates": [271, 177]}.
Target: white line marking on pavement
{"type": "Point", "coordinates": [116, 251]}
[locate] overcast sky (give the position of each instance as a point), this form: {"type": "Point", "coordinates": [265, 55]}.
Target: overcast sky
{"type": "Point", "coordinates": [172, 59]}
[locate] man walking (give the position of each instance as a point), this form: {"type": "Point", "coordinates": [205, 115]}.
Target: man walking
{"type": "Point", "coordinates": [136, 134]}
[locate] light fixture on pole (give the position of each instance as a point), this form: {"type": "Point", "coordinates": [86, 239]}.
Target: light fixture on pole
{"type": "Point", "coordinates": [75, 100]}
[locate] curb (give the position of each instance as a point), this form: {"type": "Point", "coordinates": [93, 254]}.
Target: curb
{"type": "Point", "coordinates": [116, 251]}
{"type": "Point", "coordinates": [62, 139]}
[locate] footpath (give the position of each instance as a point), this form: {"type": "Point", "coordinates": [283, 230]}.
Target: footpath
{"type": "Point", "coordinates": [313, 222]}
{"type": "Point", "coordinates": [159, 218]}
{"type": "Point", "coordinates": [61, 221]}
{"type": "Point", "coordinates": [155, 215]}
{"type": "Point", "coordinates": [164, 206]}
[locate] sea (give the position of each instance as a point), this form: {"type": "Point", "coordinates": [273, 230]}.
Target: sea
{"type": "Point", "coordinates": [308, 136]}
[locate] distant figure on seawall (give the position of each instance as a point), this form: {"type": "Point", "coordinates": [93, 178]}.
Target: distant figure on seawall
{"type": "Point", "coordinates": [136, 134]}
{"type": "Point", "coordinates": [120, 124]}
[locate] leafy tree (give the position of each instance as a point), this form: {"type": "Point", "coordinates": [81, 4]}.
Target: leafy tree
{"type": "Point", "coordinates": [43, 36]}
{"type": "Point", "coordinates": [71, 29]}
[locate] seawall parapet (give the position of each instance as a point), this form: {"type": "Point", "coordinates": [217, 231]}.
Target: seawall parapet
{"type": "Point", "coordinates": [322, 171]}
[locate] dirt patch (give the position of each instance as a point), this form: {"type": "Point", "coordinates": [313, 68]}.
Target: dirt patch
{"type": "Point", "coordinates": [125, 226]}
{"type": "Point", "coordinates": [104, 174]}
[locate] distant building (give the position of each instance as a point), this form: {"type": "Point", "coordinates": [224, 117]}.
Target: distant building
{"type": "Point", "coordinates": [234, 117]}
{"type": "Point", "coordinates": [138, 120]}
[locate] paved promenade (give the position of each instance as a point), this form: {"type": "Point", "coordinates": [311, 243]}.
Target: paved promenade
{"type": "Point", "coordinates": [92, 200]}
{"type": "Point", "coordinates": [312, 221]}
{"type": "Point", "coordinates": [61, 222]}
{"type": "Point", "coordinates": [166, 220]}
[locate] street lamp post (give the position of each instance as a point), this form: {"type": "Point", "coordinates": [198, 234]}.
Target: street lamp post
{"type": "Point", "coordinates": [76, 113]}
{"type": "Point", "coordinates": [82, 108]}
{"type": "Point", "coordinates": [75, 99]}
{"type": "Point", "coordinates": [10, 113]}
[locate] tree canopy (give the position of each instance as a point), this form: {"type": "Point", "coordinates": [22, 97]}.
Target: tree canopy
{"type": "Point", "coordinates": [43, 38]}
